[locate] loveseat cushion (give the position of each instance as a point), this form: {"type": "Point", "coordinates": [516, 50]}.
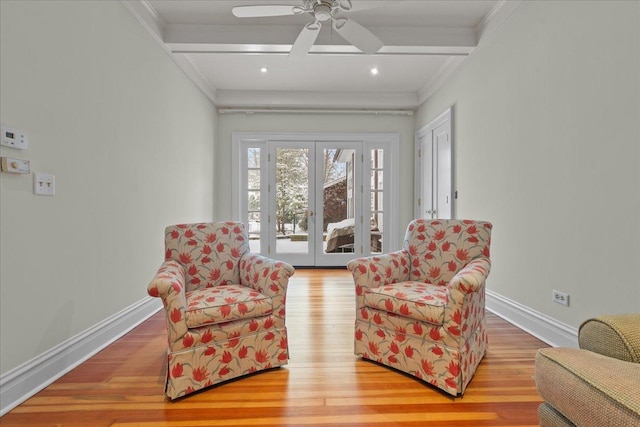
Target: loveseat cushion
{"type": "Point", "coordinates": [225, 303]}
{"type": "Point", "coordinates": [589, 388]}
{"type": "Point", "coordinates": [416, 300]}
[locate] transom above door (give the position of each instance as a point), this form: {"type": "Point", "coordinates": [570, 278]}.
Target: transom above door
{"type": "Point", "coordinates": [316, 200]}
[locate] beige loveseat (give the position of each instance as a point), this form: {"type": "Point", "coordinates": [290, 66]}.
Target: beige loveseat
{"type": "Point", "coordinates": [597, 384]}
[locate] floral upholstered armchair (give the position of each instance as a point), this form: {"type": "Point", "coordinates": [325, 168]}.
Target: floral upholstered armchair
{"type": "Point", "coordinates": [422, 310]}
{"type": "Point", "coordinates": [225, 307]}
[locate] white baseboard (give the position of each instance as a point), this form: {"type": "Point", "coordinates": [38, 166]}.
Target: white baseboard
{"type": "Point", "coordinates": [24, 381]}
{"type": "Point", "coordinates": [541, 326]}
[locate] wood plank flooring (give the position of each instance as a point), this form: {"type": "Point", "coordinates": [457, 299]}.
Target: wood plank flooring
{"type": "Point", "coordinates": [323, 384]}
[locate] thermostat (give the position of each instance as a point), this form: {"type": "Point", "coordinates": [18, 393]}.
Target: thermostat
{"type": "Point", "coordinates": [14, 138]}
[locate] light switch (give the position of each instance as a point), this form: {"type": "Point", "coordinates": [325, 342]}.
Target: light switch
{"type": "Point", "coordinates": [44, 184]}
{"type": "Point", "coordinates": [14, 165]}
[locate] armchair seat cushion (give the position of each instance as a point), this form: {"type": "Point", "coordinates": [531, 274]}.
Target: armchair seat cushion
{"type": "Point", "coordinates": [225, 303]}
{"type": "Point", "coordinates": [416, 300]}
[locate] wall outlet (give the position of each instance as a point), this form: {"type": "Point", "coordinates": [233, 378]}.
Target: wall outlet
{"type": "Point", "coordinates": [43, 184]}
{"type": "Point", "coordinates": [560, 297]}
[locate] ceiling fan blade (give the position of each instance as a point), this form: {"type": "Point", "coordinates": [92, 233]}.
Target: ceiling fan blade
{"type": "Point", "coordinates": [306, 39]}
{"type": "Point", "coordinates": [349, 6]}
{"type": "Point", "coordinates": [357, 35]}
{"type": "Point", "coordinates": [264, 11]}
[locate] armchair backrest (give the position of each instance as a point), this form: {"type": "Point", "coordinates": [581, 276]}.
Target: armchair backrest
{"type": "Point", "coordinates": [209, 252]}
{"type": "Point", "coordinates": [438, 249]}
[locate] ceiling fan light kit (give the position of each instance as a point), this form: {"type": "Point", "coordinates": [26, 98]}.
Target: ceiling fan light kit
{"type": "Point", "coordinates": [321, 11]}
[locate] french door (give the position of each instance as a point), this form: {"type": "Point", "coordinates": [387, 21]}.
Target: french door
{"type": "Point", "coordinates": [315, 202]}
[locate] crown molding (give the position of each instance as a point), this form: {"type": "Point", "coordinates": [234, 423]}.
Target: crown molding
{"type": "Point", "coordinates": [501, 12]}
{"type": "Point", "coordinates": [146, 15]}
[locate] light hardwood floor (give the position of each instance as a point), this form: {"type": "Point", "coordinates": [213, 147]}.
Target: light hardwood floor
{"type": "Point", "coordinates": [323, 384]}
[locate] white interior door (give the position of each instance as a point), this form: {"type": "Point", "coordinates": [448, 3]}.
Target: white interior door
{"type": "Point", "coordinates": [441, 155]}
{"type": "Point", "coordinates": [434, 190]}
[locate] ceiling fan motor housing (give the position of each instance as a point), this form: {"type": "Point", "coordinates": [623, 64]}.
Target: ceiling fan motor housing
{"type": "Point", "coordinates": [323, 10]}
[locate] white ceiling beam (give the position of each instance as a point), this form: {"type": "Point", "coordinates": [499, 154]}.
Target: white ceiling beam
{"type": "Point", "coordinates": [283, 49]}
{"type": "Point", "coordinates": [313, 99]}
{"type": "Point", "coordinates": [242, 39]}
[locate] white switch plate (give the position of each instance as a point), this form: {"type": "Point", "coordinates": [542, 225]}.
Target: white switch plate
{"type": "Point", "coordinates": [14, 138]}
{"type": "Point", "coordinates": [44, 184]}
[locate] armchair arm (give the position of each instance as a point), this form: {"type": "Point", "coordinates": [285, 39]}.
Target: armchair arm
{"type": "Point", "coordinates": [466, 305]}
{"type": "Point", "coordinates": [472, 276]}
{"type": "Point", "coordinates": [168, 284]}
{"type": "Point", "coordinates": [267, 276]}
{"type": "Point", "coordinates": [379, 270]}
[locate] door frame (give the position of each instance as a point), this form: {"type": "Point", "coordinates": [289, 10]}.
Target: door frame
{"type": "Point", "coordinates": [369, 140]}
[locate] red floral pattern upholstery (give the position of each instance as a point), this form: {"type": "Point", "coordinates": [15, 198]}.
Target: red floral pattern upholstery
{"type": "Point", "coordinates": [225, 306]}
{"type": "Point", "coordinates": [225, 303]}
{"type": "Point", "coordinates": [416, 300]}
{"type": "Point", "coordinates": [422, 310]}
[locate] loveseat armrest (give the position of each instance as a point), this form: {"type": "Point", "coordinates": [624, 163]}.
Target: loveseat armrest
{"type": "Point", "coordinates": [379, 270]}
{"type": "Point", "coordinates": [169, 284]}
{"type": "Point", "coordinates": [615, 336]}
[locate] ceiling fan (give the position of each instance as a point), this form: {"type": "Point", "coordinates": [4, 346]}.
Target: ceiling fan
{"type": "Point", "coordinates": [321, 11]}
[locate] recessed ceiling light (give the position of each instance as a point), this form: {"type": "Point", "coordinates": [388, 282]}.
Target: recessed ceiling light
{"type": "Point", "coordinates": [374, 71]}
{"type": "Point", "coordinates": [263, 69]}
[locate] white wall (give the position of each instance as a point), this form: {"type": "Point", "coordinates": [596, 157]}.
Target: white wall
{"type": "Point", "coordinates": [547, 147]}
{"type": "Point", "coordinates": [130, 141]}
{"type": "Point", "coordinates": [259, 122]}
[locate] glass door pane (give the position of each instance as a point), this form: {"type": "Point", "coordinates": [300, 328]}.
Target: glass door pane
{"type": "Point", "coordinates": [338, 201]}
{"type": "Point", "coordinates": [338, 221]}
{"type": "Point", "coordinates": [292, 212]}
{"type": "Point", "coordinates": [253, 204]}
{"type": "Point", "coordinates": [376, 190]}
